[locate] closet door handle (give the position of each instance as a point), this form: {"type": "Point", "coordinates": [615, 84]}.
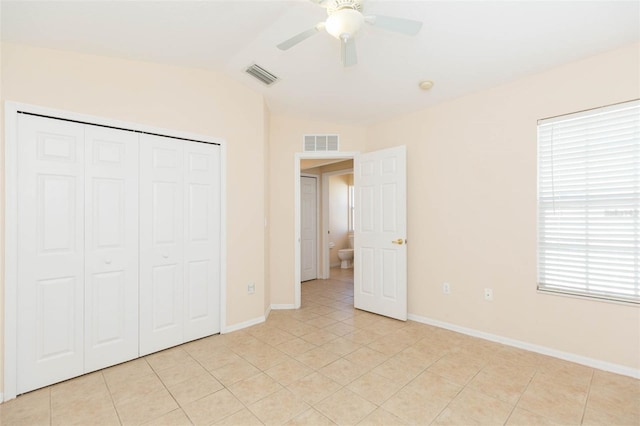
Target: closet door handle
{"type": "Point", "coordinates": [107, 261]}
{"type": "Point", "coordinates": [165, 255]}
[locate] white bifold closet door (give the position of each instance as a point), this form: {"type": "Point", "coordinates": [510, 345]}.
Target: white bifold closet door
{"type": "Point", "coordinates": [111, 247]}
{"type": "Point", "coordinates": [77, 250]}
{"type": "Point", "coordinates": [179, 241]}
{"type": "Point", "coordinates": [202, 240]}
{"type": "Point", "coordinates": [118, 246]}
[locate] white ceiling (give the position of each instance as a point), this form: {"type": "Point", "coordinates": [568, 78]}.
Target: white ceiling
{"type": "Point", "coordinates": [464, 46]}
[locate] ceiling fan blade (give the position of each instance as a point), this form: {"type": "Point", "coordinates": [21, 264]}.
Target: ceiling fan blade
{"type": "Point", "coordinates": [348, 51]}
{"type": "Point", "coordinates": [288, 44]}
{"type": "Point", "coordinates": [399, 25]}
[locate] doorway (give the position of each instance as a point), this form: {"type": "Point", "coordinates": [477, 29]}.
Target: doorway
{"type": "Point", "coordinates": [380, 188]}
{"type": "Point", "coordinates": [338, 217]}
{"type": "Point", "coordinates": [309, 162]}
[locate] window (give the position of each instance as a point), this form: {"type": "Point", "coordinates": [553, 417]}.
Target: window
{"type": "Point", "coordinates": [589, 203]}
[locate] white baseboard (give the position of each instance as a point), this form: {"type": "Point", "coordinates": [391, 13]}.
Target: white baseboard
{"type": "Point", "coordinates": [241, 325]}
{"type": "Point", "coordinates": [267, 312]}
{"type": "Point", "coordinates": [591, 362]}
{"type": "Point", "coordinates": [276, 307]}
{"type": "Point", "coordinates": [2, 397]}
{"type": "Point", "coordinates": [336, 265]}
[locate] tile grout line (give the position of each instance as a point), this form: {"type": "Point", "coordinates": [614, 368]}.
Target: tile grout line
{"type": "Point", "coordinates": [521, 395]}
{"type": "Point", "coordinates": [110, 397]}
{"type": "Point", "coordinates": [283, 387]}
{"type": "Point", "coordinates": [586, 401]}
{"type": "Point", "coordinates": [370, 370]}
{"type": "Point", "coordinates": [167, 389]}
{"type": "Point", "coordinates": [261, 371]}
{"type": "Point", "coordinates": [456, 395]}
{"type": "Point", "coordinates": [51, 408]}
{"type": "Point", "coordinates": [198, 399]}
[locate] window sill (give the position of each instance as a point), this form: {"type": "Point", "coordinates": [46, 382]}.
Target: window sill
{"type": "Point", "coordinates": [589, 298]}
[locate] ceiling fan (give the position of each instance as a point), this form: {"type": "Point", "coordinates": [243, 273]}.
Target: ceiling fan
{"type": "Point", "coordinates": [345, 20]}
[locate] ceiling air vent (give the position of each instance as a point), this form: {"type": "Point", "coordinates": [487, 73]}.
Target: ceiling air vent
{"type": "Point", "coordinates": [320, 143]}
{"type": "Point", "coordinates": [261, 74]}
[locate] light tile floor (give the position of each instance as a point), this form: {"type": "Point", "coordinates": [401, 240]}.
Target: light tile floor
{"type": "Point", "coordinates": [326, 364]}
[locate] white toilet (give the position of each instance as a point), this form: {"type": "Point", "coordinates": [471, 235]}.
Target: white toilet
{"type": "Point", "coordinates": [346, 255]}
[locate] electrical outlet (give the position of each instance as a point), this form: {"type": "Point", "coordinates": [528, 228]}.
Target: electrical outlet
{"type": "Point", "coordinates": [488, 294]}
{"type": "Point", "coordinates": [446, 288]}
{"type": "Point", "coordinates": [251, 288]}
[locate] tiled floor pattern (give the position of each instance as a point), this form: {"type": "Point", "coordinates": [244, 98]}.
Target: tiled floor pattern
{"type": "Point", "coordinates": [326, 364]}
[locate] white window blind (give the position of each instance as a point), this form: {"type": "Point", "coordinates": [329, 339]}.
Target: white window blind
{"type": "Point", "coordinates": [589, 203]}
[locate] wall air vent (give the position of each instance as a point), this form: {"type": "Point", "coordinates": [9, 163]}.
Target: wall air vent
{"type": "Point", "coordinates": [261, 74]}
{"type": "Point", "coordinates": [321, 143]}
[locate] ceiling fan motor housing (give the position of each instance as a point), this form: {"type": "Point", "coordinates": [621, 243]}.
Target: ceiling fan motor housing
{"type": "Point", "coordinates": [336, 5]}
{"type": "Point", "coordinates": [344, 23]}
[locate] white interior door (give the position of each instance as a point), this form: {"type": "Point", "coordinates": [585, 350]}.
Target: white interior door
{"type": "Point", "coordinates": [111, 247]}
{"type": "Point", "coordinates": [308, 228]}
{"type": "Point", "coordinates": [380, 267]}
{"type": "Point", "coordinates": [50, 251]}
{"type": "Point", "coordinates": [202, 240]}
{"type": "Point", "coordinates": [161, 242]}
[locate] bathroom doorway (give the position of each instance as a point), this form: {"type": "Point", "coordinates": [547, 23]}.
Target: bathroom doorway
{"type": "Point", "coordinates": [338, 219]}
{"type": "Point", "coordinates": [324, 165]}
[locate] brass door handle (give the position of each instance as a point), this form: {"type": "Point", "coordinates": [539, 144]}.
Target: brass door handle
{"type": "Point", "coordinates": [399, 241]}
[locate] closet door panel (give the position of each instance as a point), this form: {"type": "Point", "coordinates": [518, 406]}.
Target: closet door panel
{"type": "Point", "coordinates": [161, 243]}
{"type": "Point", "coordinates": [111, 232]}
{"type": "Point", "coordinates": [202, 240]}
{"type": "Point", "coordinates": [50, 251]}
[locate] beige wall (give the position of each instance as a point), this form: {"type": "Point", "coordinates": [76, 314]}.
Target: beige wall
{"type": "Point", "coordinates": [175, 98]}
{"type": "Point", "coordinates": [267, 203]}
{"type": "Point", "coordinates": [472, 209]}
{"type": "Point", "coordinates": [285, 141]}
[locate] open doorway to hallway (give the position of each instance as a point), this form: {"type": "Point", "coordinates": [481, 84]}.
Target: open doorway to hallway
{"type": "Point", "coordinates": [380, 254]}
{"type": "Point", "coordinates": [326, 217]}
{"type": "Point", "coordinates": [323, 166]}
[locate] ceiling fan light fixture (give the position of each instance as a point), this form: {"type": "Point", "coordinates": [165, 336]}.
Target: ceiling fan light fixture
{"type": "Point", "coordinates": [425, 84]}
{"type": "Point", "coordinates": [344, 22]}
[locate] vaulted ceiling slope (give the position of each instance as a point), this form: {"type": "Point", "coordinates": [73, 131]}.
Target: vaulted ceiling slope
{"type": "Point", "coordinates": [463, 46]}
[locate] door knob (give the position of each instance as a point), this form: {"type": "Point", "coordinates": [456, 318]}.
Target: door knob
{"type": "Point", "coordinates": [165, 255]}
{"type": "Point", "coordinates": [399, 241]}
{"type": "Point", "coordinates": [107, 261]}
